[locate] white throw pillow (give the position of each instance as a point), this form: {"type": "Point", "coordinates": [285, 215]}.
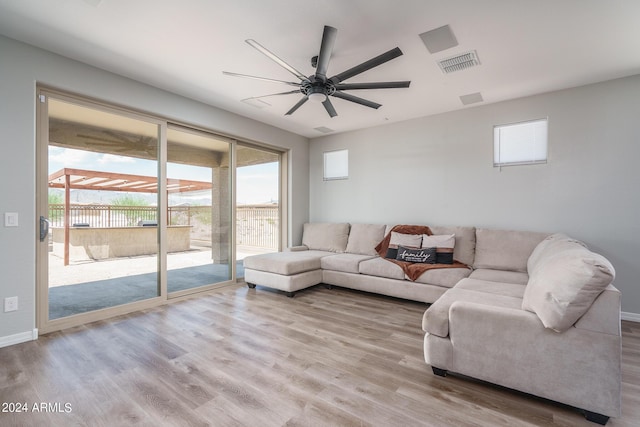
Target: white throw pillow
{"type": "Point", "coordinates": [444, 245]}
{"type": "Point", "coordinates": [408, 240]}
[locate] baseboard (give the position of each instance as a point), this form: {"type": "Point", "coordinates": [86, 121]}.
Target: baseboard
{"type": "Point", "coordinates": [19, 338]}
{"type": "Point", "coordinates": [631, 317]}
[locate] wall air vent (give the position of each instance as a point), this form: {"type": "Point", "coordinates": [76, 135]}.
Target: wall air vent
{"type": "Point", "coordinates": [459, 62]}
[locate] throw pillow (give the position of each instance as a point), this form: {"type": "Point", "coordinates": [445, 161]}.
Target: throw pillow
{"type": "Point", "coordinates": [411, 241]}
{"type": "Point", "coordinates": [444, 245]}
{"type": "Point", "coordinates": [561, 288]}
{"type": "Point", "coordinates": [423, 256]}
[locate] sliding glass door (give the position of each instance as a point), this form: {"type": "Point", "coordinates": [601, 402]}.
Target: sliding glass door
{"type": "Point", "coordinates": [199, 190]}
{"type": "Point", "coordinates": [134, 210]}
{"type": "Point", "coordinates": [259, 205]}
{"type": "Point", "coordinates": [101, 201]}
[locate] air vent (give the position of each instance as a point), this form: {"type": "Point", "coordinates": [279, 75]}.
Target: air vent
{"type": "Point", "coordinates": [255, 102]}
{"type": "Point", "coordinates": [471, 98]}
{"type": "Point", "coordinates": [323, 129]}
{"type": "Point", "coordinates": [439, 39]}
{"type": "Point", "coordinates": [459, 62]}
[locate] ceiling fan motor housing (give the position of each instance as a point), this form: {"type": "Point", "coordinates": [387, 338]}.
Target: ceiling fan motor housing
{"type": "Point", "coordinates": [314, 86]}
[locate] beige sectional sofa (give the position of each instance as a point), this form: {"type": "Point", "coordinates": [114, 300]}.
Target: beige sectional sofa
{"type": "Point", "coordinates": [533, 312]}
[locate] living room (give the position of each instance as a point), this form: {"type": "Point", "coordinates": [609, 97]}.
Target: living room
{"type": "Point", "coordinates": [431, 167]}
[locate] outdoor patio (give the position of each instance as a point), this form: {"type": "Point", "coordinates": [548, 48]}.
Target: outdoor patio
{"type": "Point", "coordinates": [92, 285]}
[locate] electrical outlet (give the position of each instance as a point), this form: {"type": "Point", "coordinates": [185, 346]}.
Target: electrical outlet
{"type": "Point", "coordinates": [10, 304]}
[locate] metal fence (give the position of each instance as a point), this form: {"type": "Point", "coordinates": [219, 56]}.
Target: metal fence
{"type": "Point", "coordinates": [256, 225]}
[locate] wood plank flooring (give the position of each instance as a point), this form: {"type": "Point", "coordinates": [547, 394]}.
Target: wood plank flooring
{"type": "Point", "coordinates": [253, 357]}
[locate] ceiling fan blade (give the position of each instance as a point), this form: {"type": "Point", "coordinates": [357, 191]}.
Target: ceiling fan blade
{"type": "Point", "coordinates": [329, 107]}
{"type": "Point", "coordinates": [356, 99]}
{"type": "Point", "coordinates": [227, 73]}
{"type": "Point", "coordinates": [298, 105]}
{"type": "Point", "coordinates": [367, 65]}
{"type": "Point", "coordinates": [376, 85]}
{"type": "Point", "coordinates": [274, 58]}
{"type": "Point", "coordinates": [328, 40]}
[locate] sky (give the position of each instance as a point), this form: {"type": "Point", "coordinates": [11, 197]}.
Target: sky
{"type": "Point", "coordinates": [255, 184]}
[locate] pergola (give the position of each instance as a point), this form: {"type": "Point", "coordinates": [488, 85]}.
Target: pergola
{"type": "Point", "coordinates": [81, 179]}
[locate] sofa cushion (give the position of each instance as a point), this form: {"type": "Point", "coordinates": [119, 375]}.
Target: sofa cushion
{"type": "Point", "coordinates": [286, 263]}
{"type": "Point", "coordinates": [499, 288]}
{"type": "Point", "coordinates": [445, 277]}
{"type": "Point", "coordinates": [549, 247]}
{"type": "Point", "coordinates": [444, 244]}
{"type": "Point", "coordinates": [561, 288]}
{"type": "Point", "coordinates": [436, 319]}
{"type": "Point", "coordinates": [363, 238]}
{"type": "Point", "coordinates": [500, 276]}
{"type": "Point", "coordinates": [505, 250]}
{"type": "Point", "coordinates": [465, 245]}
{"type": "Point", "coordinates": [347, 263]}
{"type": "Point", "coordinates": [326, 236]}
{"type": "Point", "coordinates": [381, 268]}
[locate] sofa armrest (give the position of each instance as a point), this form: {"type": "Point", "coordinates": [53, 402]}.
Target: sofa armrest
{"type": "Point", "coordinates": [511, 347]}
{"type": "Point", "coordinates": [297, 248]}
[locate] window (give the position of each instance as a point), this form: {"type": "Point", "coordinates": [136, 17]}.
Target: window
{"type": "Point", "coordinates": [336, 165]}
{"type": "Point", "coordinates": [522, 143]}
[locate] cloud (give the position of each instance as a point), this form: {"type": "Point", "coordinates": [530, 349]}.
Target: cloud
{"type": "Point", "coordinates": [67, 156]}
{"type": "Point", "coordinates": [111, 158]}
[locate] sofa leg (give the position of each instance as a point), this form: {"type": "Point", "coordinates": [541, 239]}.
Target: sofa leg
{"type": "Point", "coordinates": [328, 286]}
{"type": "Point", "coordinates": [439, 372]}
{"type": "Point", "coordinates": [251, 285]}
{"type": "Point", "coordinates": [290, 294]}
{"type": "Point", "coordinates": [595, 417]}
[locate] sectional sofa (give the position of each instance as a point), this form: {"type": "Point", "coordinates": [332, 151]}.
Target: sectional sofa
{"type": "Point", "coordinates": [534, 312]}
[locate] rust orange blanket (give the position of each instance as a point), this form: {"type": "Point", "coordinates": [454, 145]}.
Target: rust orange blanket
{"type": "Point", "coordinates": [412, 270]}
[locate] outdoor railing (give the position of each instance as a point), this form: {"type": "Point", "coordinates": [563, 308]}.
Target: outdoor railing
{"type": "Point", "coordinates": [256, 225]}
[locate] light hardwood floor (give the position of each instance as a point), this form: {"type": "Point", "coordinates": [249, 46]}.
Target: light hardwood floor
{"type": "Point", "coordinates": [253, 357]}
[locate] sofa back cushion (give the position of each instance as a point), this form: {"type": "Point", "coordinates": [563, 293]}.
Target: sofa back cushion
{"type": "Point", "coordinates": [322, 236]}
{"type": "Point", "coordinates": [465, 245]}
{"type": "Point", "coordinates": [549, 247]}
{"type": "Point", "coordinates": [504, 249]}
{"type": "Point", "coordinates": [565, 281]}
{"type": "Point", "coordinates": [363, 238]}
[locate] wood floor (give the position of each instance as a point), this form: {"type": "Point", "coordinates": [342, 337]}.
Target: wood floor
{"type": "Point", "coordinates": [253, 357]}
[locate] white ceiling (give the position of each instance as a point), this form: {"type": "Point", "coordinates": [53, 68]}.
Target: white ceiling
{"type": "Point", "coordinates": [525, 47]}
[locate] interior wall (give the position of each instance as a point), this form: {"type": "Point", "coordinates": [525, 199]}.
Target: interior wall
{"type": "Point", "coordinates": [439, 170]}
{"type": "Point", "coordinates": [21, 68]}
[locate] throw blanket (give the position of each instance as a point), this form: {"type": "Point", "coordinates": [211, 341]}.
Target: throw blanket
{"type": "Point", "coordinates": [412, 270]}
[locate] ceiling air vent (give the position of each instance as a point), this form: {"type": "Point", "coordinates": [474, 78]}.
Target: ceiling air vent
{"type": "Point", "coordinates": [255, 102]}
{"type": "Point", "coordinates": [459, 62]}
{"type": "Point", "coordinates": [323, 129]}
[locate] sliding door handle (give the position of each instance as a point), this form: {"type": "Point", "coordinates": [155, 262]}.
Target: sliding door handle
{"type": "Point", "coordinates": [44, 228]}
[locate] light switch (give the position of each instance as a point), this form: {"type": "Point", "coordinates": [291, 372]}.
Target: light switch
{"type": "Point", "coordinates": [11, 219]}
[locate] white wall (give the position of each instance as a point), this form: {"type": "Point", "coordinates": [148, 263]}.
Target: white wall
{"type": "Point", "coordinates": [439, 170]}
{"type": "Point", "coordinates": [21, 67]}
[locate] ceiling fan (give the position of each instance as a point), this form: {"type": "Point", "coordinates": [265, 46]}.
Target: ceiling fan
{"type": "Point", "coordinates": [318, 87]}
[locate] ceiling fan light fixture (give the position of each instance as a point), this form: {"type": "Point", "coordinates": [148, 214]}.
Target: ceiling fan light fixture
{"type": "Point", "coordinates": [317, 94]}
{"type": "Point", "coordinates": [317, 97]}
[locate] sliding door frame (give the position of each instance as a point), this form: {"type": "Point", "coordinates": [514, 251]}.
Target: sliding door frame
{"type": "Point", "coordinates": [43, 323]}
{"type": "Point", "coordinates": [43, 92]}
